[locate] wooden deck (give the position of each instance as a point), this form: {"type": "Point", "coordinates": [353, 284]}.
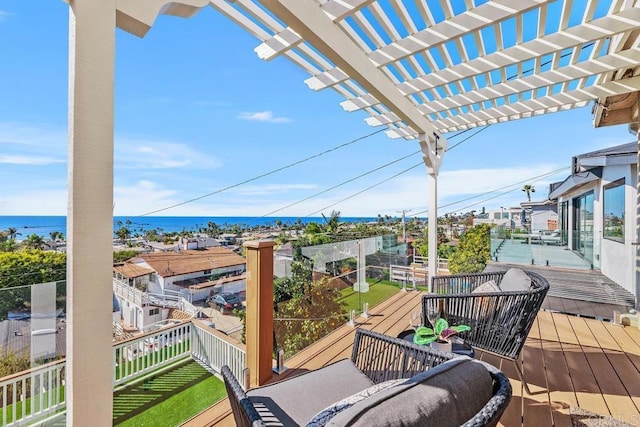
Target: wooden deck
{"type": "Point", "coordinates": [585, 293]}
{"type": "Point", "coordinates": [571, 363]}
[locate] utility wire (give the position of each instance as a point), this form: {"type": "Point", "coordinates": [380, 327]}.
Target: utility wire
{"type": "Point", "coordinates": [532, 179]}
{"type": "Point", "coordinates": [366, 189]}
{"type": "Point", "coordinates": [340, 184]}
{"type": "Point", "coordinates": [306, 159]}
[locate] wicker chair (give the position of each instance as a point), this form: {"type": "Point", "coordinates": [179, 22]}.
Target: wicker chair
{"type": "Point", "coordinates": [500, 321]}
{"type": "Point", "coordinates": [375, 360]}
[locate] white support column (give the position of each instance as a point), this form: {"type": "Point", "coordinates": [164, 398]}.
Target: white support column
{"type": "Point", "coordinates": [89, 372]}
{"type": "Point", "coordinates": [432, 179]}
{"type": "Point", "coordinates": [637, 237]}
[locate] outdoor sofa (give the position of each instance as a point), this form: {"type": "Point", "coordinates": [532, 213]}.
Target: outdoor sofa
{"type": "Point", "coordinates": [387, 382]}
{"type": "Point", "coordinates": [500, 308]}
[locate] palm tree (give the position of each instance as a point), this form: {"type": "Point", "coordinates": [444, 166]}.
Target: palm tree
{"type": "Point", "coordinates": [528, 189]}
{"type": "Point", "coordinates": [35, 241]}
{"type": "Point", "coordinates": [12, 233]}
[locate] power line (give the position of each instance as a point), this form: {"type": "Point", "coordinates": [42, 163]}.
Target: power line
{"type": "Point", "coordinates": [341, 184]}
{"type": "Point", "coordinates": [290, 165]}
{"type": "Point", "coordinates": [532, 179]}
{"type": "Point", "coordinates": [367, 189]}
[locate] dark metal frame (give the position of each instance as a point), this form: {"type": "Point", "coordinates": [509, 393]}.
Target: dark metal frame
{"type": "Point", "coordinates": [500, 321]}
{"type": "Point", "coordinates": [381, 358]}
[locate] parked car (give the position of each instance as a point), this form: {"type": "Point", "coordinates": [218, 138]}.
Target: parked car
{"type": "Point", "coordinates": [224, 302]}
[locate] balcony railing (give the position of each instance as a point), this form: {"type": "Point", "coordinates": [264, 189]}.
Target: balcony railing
{"type": "Point", "coordinates": [33, 395]}
{"type": "Point", "coordinates": [37, 394]}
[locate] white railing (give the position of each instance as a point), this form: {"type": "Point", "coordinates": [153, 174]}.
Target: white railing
{"type": "Point", "coordinates": [215, 351]}
{"type": "Point", "coordinates": [443, 263]}
{"type": "Point", "coordinates": [32, 395]}
{"type": "Point", "coordinates": [187, 307]}
{"type": "Point", "coordinates": [130, 293]}
{"type": "Point", "coordinates": [136, 357]}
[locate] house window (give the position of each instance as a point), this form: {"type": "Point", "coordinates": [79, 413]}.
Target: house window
{"type": "Point", "coordinates": [154, 312]}
{"type": "Point", "coordinates": [613, 227]}
{"type": "Point", "coordinates": [496, 215]}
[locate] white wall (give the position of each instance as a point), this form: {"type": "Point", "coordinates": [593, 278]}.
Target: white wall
{"type": "Point", "coordinates": [618, 258]}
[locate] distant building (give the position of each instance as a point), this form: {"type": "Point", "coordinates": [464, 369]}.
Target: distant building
{"type": "Point", "coordinates": [148, 287]}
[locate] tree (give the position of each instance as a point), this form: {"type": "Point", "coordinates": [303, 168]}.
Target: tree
{"type": "Point", "coordinates": [12, 233]}
{"type": "Point", "coordinates": [35, 241]}
{"type": "Point", "coordinates": [28, 267]}
{"type": "Point", "coordinates": [305, 319]}
{"type": "Point", "coordinates": [473, 250]}
{"type": "Point", "coordinates": [528, 188]}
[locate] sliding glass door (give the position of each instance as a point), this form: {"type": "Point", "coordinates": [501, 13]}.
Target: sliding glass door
{"type": "Point", "coordinates": [583, 225]}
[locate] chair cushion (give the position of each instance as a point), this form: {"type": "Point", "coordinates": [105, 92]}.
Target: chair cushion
{"type": "Point", "coordinates": [515, 280]}
{"type": "Point", "coordinates": [323, 417]}
{"type": "Point", "coordinates": [448, 395]}
{"type": "Point", "coordinates": [296, 400]}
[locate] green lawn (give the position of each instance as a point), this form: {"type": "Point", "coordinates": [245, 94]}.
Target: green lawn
{"type": "Point", "coordinates": [379, 290]}
{"type": "Point", "coordinates": [167, 399]}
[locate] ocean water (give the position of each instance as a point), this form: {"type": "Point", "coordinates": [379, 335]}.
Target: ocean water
{"type": "Point", "coordinates": [45, 225]}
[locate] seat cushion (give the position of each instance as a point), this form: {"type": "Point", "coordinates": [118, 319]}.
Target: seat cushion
{"type": "Point", "coordinates": [448, 395]}
{"type": "Point", "coordinates": [515, 280]}
{"type": "Point", "coordinates": [296, 400]}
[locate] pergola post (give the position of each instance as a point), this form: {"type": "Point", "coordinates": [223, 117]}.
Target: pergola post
{"type": "Point", "coordinates": [637, 236]}
{"type": "Point", "coordinates": [89, 372]}
{"type": "Point", "coordinates": [259, 311]}
{"type": "Point", "coordinates": [432, 184]}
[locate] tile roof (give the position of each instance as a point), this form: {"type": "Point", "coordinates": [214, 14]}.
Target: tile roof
{"type": "Point", "coordinates": [132, 270]}
{"type": "Point", "coordinates": [168, 264]}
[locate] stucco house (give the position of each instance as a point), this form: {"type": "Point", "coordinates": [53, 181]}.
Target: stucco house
{"type": "Point", "coordinates": [596, 207]}
{"type": "Point", "coordinates": [151, 285]}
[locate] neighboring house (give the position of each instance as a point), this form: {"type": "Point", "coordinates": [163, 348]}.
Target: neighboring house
{"type": "Point", "coordinates": [596, 210]}
{"type": "Point", "coordinates": [540, 216]}
{"type": "Point", "coordinates": [508, 217]}
{"type": "Point", "coordinates": [149, 286]}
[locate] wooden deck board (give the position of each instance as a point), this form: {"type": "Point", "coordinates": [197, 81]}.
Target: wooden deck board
{"type": "Point", "coordinates": [568, 361]}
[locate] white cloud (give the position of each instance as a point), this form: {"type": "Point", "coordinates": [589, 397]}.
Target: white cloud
{"type": "Point", "coordinates": [44, 201]}
{"type": "Point", "coordinates": [263, 116]}
{"type": "Point", "coordinates": [36, 135]}
{"type": "Point", "coordinates": [4, 15]}
{"type": "Point", "coordinates": [29, 160]}
{"type": "Point", "coordinates": [149, 154]}
{"type": "Point", "coordinates": [142, 197]}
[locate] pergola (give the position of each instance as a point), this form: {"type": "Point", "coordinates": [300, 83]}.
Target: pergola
{"type": "Point", "coordinates": [421, 68]}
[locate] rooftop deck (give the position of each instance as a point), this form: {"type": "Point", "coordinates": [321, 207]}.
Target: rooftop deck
{"type": "Point", "coordinates": [575, 367]}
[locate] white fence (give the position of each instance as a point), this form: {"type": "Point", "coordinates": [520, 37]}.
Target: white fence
{"type": "Point", "coordinates": [138, 356]}
{"type": "Point", "coordinates": [32, 395]}
{"type": "Point", "coordinates": [214, 351]}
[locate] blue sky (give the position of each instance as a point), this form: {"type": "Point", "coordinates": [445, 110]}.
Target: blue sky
{"type": "Point", "coordinates": [197, 111]}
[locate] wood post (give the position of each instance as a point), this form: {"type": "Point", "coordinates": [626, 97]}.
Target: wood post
{"type": "Point", "coordinates": [259, 314]}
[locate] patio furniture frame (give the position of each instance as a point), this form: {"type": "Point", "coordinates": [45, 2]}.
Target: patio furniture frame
{"type": "Point", "coordinates": [381, 358]}
{"type": "Point", "coordinates": [500, 321]}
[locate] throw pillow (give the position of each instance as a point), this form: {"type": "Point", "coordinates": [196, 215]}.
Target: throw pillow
{"type": "Point", "coordinates": [515, 280]}
{"type": "Point", "coordinates": [486, 287]}
{"type": "Point", "coordinates": [323, 417]}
